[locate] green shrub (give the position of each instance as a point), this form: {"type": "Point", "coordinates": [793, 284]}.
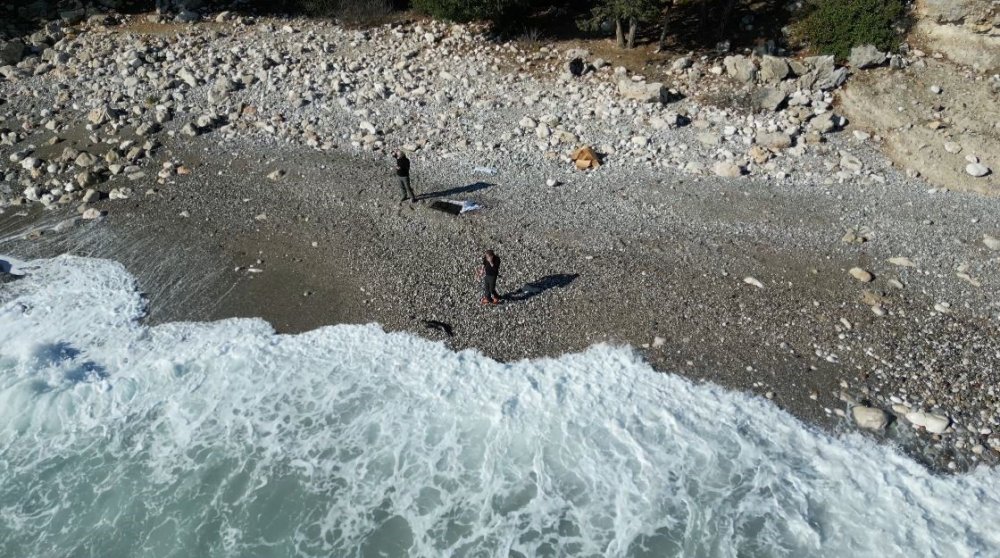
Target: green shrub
{"type": "Point", "coordinates": [835, 26]}
{"type": "Point", "coordinates": [466, 10]}
{"type": "Point", "coordinates": [351, 10]}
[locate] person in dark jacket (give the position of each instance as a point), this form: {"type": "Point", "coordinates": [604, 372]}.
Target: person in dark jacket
{"type": "Point", "coordinates": [489, 272]}
{"type": "Point", "coordinates": [403, 176]}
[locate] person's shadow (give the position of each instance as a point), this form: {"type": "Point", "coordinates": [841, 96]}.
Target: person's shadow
{"type": "Point", "coordinates": [475, 187]}
{"type": "Point", "coordinates": [535, 288]}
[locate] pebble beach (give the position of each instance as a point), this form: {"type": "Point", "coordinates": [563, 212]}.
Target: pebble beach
{"type": "Point", "coordinates": [239, 168]}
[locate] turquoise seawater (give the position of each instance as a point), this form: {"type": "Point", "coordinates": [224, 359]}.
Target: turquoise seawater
{"type": "Point", "coordinates": [225, 439]}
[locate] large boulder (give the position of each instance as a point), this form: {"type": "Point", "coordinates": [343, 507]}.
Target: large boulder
{"type": "Point", "coordinates": [977, 170]}
{"type": "Point", "coordinates": [90, 195]}
{"type": "Point", "coordinates": [866, 56]}
{"type": "Point", "coordinates": [824, 75]}
{"type": "Point", "coordinates": [85, 160]}
{"type": "Point", "coordinates": [664, 121]}
{"type": "Point", "coordinates": [102, 114]}
{"type": "Point", "coordinates": [221, 89]}
{"type": "Point", "coordinates": [774, 141]}
{"type": "Point", "coordinates": [740, 68]}
{"type": "Point", "coordinates": [188, 16]}
{"type": "Point", "coordinates": [681, 64]}
{"type": "Point", "coordinates": [773, 69]}
{"type": "Point", "coordinates": [86, 178]}
{"type": "Point", "coordinates": [11, 52]}
{"type": "Point", "coordinates": [726, 169]}
{"type": "Point", "coordinates": [224, 85]}
{"type": "Point", "coordinates": [869, 417]}
{"type": "Point", "coordinates": [187, 77]}
{"type": "Point", "coordinates": [147, 128]}
{"type": "Point", "coordinates": [832, 80]}
{"type": "Point", "coordinates": [10, 72]}
{"type": "Point", "coordinates": [825, 123]}
{"type": "Point", "coordinates": [100, 20]}
{"type": "Point", "coordinates": [932, 422]}
{"type": "Point", "coordinates": [73, 16]}
{"type": "Point", "coordinates": [641, 91]}
{"type": "Point", "coordinates": [768, 98]}
{"type": "Point", "coordinates": [91, 213]}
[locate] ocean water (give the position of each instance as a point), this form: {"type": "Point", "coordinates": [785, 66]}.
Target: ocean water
{"type": "Point", "coordinates": [225, 439]}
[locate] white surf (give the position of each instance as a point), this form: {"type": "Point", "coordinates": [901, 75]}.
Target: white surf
{"type": "Point", "coordinates": [224, 439]}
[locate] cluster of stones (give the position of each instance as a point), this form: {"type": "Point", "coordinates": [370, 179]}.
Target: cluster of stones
{"type": "Point", "coordinates": [443, 90]}
{"type": "Point", "coordinates": [920, 401]}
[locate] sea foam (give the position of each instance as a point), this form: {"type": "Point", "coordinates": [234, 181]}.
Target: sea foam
{"type": "Point", "coordinates": [225, 439]}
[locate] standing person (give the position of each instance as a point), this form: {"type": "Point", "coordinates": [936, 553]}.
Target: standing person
{"type": "Point", "coordinates": [403, 175]}
{"type": "Point", "coordinates": [489, 272]}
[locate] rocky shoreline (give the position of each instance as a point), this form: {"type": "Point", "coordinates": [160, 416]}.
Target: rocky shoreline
{"type": "Point", "coordinates": [772, 253]}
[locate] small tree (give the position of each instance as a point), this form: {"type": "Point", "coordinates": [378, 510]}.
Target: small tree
{"type": "Point", "coordinates": [466, 10]}
{"type": "Point", "coordinates": [664, 24]}
{"type": "Point", "coordinates": [351, 10]}
{"type": "Point", "coordinates": [835, 26]}
{"type": "Point", "coordinates": [624, 12]}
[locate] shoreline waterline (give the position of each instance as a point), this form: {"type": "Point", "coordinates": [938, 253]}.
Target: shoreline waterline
{"type": "Point", "coordinates": [331, 252]}
{"type": "Point", "coordinates": [348, 439]}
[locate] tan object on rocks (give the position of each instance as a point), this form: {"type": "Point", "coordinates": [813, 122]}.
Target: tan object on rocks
{"type": "Point", "coordinates": [759, 154]}
{"type": "Point", "coordinates": [585, 158]}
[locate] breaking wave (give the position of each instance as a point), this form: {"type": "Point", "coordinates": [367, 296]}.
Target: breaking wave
{"type": "Point", "coordinates": [225, 439]}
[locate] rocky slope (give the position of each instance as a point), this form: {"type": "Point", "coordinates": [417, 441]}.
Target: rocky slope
{"type": "Point", "coordinates": [938, 120]}
{"type": "Point", "coordinates": [966, 31]}
{"type": "Point", "coordinates": [940, 115]}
